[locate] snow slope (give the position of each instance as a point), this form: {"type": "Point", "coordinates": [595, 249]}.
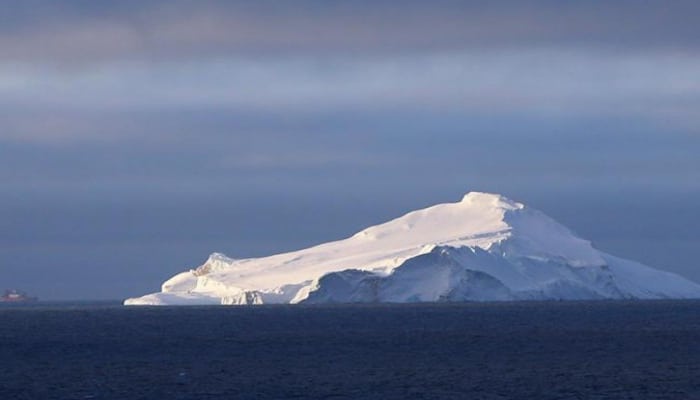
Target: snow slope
{"type": "Point", "coordinates": [482, 248]}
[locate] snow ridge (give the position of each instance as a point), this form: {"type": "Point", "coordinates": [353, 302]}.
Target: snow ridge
{"type": "Point", "coordinates": [485, 247]}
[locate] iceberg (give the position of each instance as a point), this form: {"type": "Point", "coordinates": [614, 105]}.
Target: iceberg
{"type": "Point", "coordinates": [485, 247]}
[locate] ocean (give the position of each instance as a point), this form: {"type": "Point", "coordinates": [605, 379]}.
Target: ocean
{"type": "Point", "coordinates": [525, 350]}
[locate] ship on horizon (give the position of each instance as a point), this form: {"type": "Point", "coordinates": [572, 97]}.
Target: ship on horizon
{"type": "Point", "coordinates": [16, 296]}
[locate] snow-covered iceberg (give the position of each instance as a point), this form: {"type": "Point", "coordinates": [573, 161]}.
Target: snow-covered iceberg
{"type": "Point", "coordinates": [482, 248]}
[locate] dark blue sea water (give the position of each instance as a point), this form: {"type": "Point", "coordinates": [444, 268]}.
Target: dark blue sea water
{"type": "Point", "coordinates": [586, 350]}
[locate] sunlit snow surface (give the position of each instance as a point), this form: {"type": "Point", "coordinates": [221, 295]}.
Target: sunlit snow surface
{"type": "Point", "coordinates": [483, 248]}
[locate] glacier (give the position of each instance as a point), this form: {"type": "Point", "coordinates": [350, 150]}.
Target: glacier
{"type": "Point", "coordinates": [485, 247]}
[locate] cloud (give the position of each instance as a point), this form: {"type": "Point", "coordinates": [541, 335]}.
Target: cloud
{"type": "Point", "coordinates": [65, 64]}
{"type": "Point", "coordinates": [548, 83]}
{"type": "Point", "coordinates": [76, 32]}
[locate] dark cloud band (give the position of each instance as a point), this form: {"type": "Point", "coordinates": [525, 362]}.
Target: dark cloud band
{"type": "Point", "coordinates": [83, 31]}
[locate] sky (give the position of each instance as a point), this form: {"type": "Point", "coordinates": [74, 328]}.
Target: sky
{"type": "Point", "coordinates": [137, 137]}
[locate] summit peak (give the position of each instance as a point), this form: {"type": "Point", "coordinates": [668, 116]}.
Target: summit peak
{"type": "Point", "coordinates": [493, 199]}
